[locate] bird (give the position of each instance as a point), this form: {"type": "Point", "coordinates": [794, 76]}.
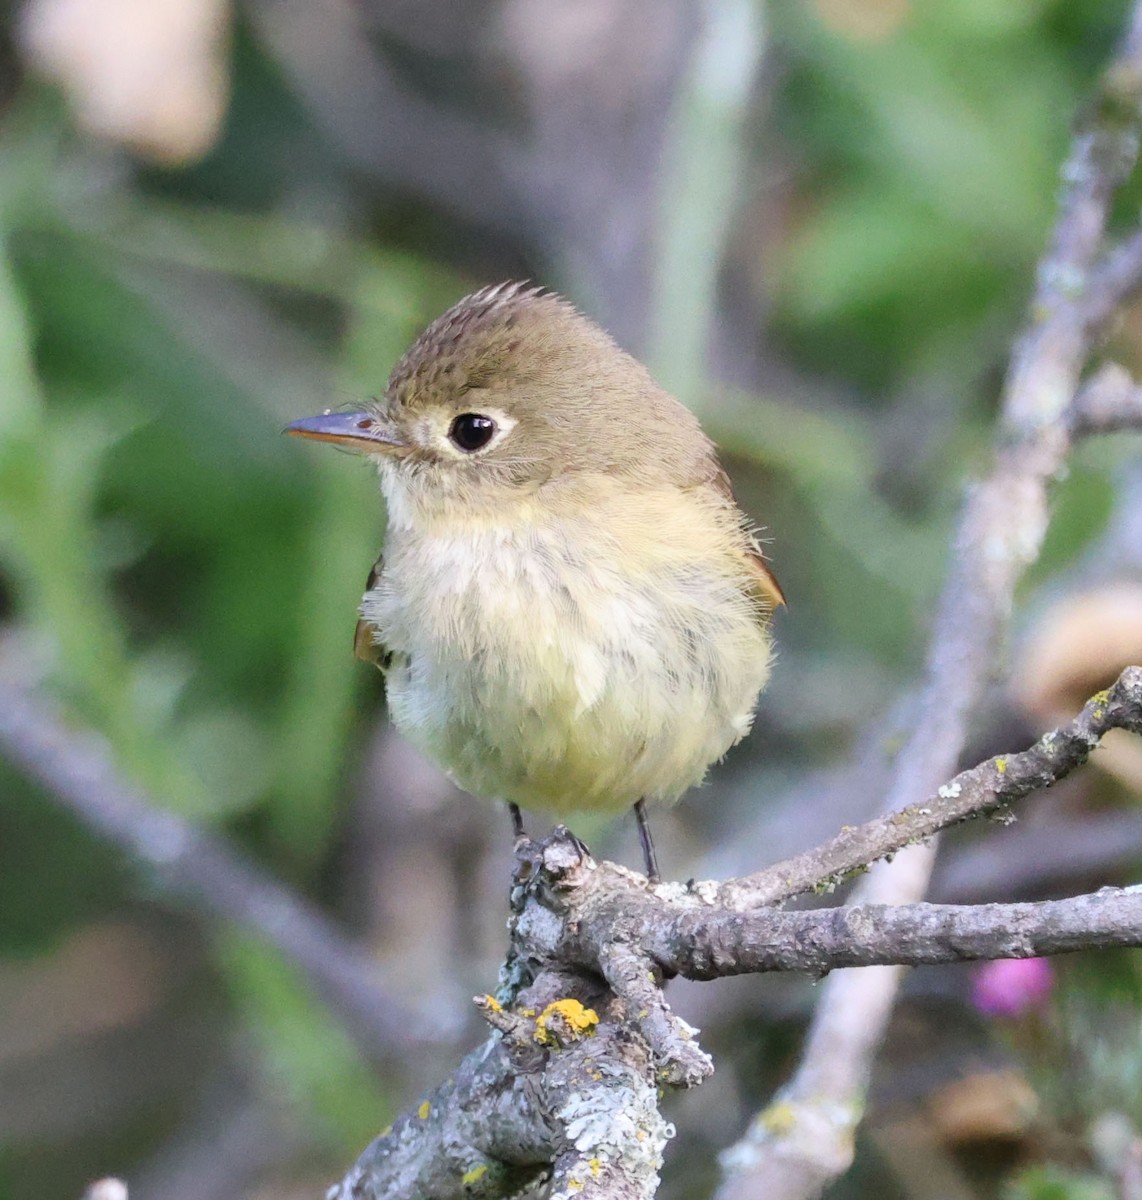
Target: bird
{"type": "Point", "coordinates": [571, 611]}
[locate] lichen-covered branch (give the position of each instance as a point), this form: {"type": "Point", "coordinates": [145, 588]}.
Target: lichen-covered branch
{"type": "Point", "coordinates": [585, 1034]}
{"type": "Point", "coordinates": [1000, 533]}
{"type": "Point", "coordinates": [561, 1091]}
{"type": "Point", "coordinates": [992, 786]}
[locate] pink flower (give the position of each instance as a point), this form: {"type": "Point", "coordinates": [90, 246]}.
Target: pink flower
{"type": "Point", "coordinates": [1010, 987]}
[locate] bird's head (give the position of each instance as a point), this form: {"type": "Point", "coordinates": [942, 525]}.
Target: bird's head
{"type": "Point", "coordinates": [511, 389]}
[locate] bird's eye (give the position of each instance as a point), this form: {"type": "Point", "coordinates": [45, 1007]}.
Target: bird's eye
{"type": "Point", "coordinates": [471, 431]}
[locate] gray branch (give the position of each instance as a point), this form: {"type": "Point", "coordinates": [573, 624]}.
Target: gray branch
{"type": "Point", "coordinates": [1109, 402]}
{"type": "Point", "coordinates": [77, 769]}
{"type": "Point", "coordinates": [575, 1100]}
{"type": "Point", "coordinates": [595, 936]}
{"type": "Point", "coordinates": [556, 1094]}
{"type": "Point", "coordinates": [991, 787]}
{"type": "Point", "coordinates": [1000, 534]}
{"type": "Point", "coordinates": [901, 935]}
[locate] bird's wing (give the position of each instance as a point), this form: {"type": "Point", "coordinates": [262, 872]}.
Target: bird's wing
{"type": "Point", "coordinates": [365, 645]}
{"type": "Point", "coordinates": [765, 582]}
{"type": "Point", "coordinates": [766, 587]}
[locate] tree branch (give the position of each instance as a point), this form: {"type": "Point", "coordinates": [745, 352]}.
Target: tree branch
{"type": "Point", "coordinates": [990, 787]}
{"type": "Point", "coordinates": [579, 1103]}
{"type": "Point", "coordinates": [557, 1092]}
{"type": "Point", "coordinates": [905, 935]}
{"type": "Point", "coordinates": [595, 936]}
{"type": "Point", "coordinates": [1000, 533]}
{"type": "Point", "coordinates": [77, 769]}
{"type": "Point", "coordinates": [1109, 402]}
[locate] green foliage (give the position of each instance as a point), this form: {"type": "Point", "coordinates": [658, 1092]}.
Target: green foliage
{"type": "Point", "coordinates": [42, 903]}
{"type": "Point", "coordinates": [186, 576]}
{"type": "Point", "coordinates": [936, 142]}
{"type": "Point", "coordinates": [307, 1059]}
{"type": "Point", "coordinates": [186, 580]}
{"type": "Point", "coordinates": [1048, 1182]}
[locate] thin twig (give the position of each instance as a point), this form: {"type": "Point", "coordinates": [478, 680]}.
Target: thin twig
{"type": "Point", "coordinates": [992, 786]}
{"type": "Point", "coordinates": [1109, 402]}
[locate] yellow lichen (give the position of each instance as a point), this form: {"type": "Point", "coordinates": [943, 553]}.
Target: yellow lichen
{"type": "Point", "coordinates": [423, 1111]}
{"type": "Point", "coordinates": [492, 1004]}
{"type": "Point", "coordinates": [1001, 765]}
{"type": "Point", "coordinates": [596, 1167]}
{"type": "Point", "coordinates": [474, 1175]}
{"type": "Point", "coordinates": [778, 1118]}
{"type": "Point", "coordinates": [575, 1020]}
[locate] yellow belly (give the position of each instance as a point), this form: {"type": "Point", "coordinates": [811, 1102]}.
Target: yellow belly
{"type": "Point", "coordinates": [539, 670]}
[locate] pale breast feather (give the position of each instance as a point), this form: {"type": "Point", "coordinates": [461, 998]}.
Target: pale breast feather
{"type": "Point", "coordinates": [560, 688]}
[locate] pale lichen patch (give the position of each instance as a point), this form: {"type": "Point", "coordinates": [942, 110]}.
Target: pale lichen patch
{"type": "Point", "coordinates": [619, 1125]}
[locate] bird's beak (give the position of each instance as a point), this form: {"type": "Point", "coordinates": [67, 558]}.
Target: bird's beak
{"type": "Point", "coordinates": [364, 432]}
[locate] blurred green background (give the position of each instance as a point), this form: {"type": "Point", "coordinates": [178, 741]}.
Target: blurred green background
{"type": "Point", "coordinates": [818, 222]}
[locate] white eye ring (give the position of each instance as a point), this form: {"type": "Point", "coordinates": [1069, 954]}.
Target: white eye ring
{"type": "Point", "coordinates": [492, 421]}
{"type": "Point", "coordinates": [472, 431]}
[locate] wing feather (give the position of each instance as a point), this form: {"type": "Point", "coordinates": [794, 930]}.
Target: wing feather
{"type": "Point", "coordinates": [768, 591]}
{"type": "Point", "coordinates": [365, 644]}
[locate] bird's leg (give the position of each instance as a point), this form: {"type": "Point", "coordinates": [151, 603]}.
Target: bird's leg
{"type": "Point", "coordinates": [517, 821]}
{"type": "Point", "coordinates": [648, 855]}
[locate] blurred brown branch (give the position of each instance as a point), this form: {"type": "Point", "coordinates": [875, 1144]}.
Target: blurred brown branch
{"type": "Point", "coordinates": [569, 161]}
